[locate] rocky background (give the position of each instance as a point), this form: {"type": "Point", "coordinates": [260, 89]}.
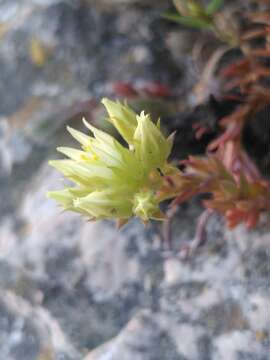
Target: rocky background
{"type": "Point", "coordinates": [73, 290]}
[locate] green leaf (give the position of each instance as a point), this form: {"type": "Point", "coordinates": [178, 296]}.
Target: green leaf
{"type": "Point", "coordinates": [214, 6]}
{"type": "Point", "coordinates": [189, 21]}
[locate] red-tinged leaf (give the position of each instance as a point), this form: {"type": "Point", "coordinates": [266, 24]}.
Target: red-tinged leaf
{"type": "Point", "coordinates": [216, 164]}
{"type": "Point", "coordinates": [260, 17]}
{"type": "Point", "coordinates": [249, 167]}
{"type": "Point", "coordinates": [264, 53]}
{"type": "Point", "coordinates": [233, 84]}
{"type": "Point", "coordinates": [200, 132]}
{"type": "Point", "coordinates": [254, 34]}
{"type": "Point", "coordinates": [155, 89]}
{"type": "Point", "coordinates": [243, 186]}
{"type": "Point", "coordinates": [255, 76]}
{"type": "Point", "coordinates": [214, 145]}
{"type": "Point", "coordinates": [183, 197]}
{"type": "Point", "coordinates": [235, 216]}
{"type": "Point", "coordinates": [230, 156]}
{"type": "Point", "coordinates": [239, 68]}
{"type": "Point", "coordinates": [234, 125]}
{"type": "Point", "coordinates": [232, 223]}
{"type": "Point", "coordinates": [258, 188]}
{"type": "Point", "coordinates": [252, 219]}
{"type": "Point", "coordinates": [124, 89]}
{"type": "Point", "coordinates": [199, 164]}
{"type": "Point", "coordinates": [221, 206]}
{"type": "Point", "coordinates": [228, 188]}
{"type": "Point", "coordinates": [244, 205]}
{"type": "Point", "coordinates": [170, 181]}
{"type": "Point", "coordinates": [230, 214]}
{"type": "Point", "coordinates": [196, 126]}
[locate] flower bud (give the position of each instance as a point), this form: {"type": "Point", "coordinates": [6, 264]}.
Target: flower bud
{"type": "Point", "coordinates": [146, 206]}
{"type": "Point", "coordinates": [123, 118]}
{"type": "Point", "coordinates": [151, 147]}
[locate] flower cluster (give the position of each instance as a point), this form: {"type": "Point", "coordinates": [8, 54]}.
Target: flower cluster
{"type": "Point", "coordinates": [111, 180]}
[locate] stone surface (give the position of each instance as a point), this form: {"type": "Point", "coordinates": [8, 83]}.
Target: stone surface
{"type": "Point", "coordinates": [115, 293]}
{"type": "Point", "coordinates": [29, 333]}
{"type": "Point", "coordinates": [71, 289]}
{"type": "Point", "coordinates": [142, 338]}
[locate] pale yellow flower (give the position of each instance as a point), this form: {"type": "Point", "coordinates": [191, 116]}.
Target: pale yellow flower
{"type": "Point", "coordinates": [113, 181]}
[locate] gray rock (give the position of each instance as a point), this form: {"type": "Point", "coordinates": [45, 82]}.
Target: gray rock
{"type": "Point", "coordinates": [71, 289]}
{"type": "Point", "coordinates": [30, 333]}
{"type": "Point", "coordinates": [141, 339]}
{"type": "Point", "coordinates": [93, 280]}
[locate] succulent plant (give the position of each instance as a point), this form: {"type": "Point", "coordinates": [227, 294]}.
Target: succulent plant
{"type": "Point", "coordinates": [113, 181]}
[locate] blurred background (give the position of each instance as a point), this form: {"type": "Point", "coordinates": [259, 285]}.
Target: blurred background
{"type": "Point", "coordinates": [70, 289]}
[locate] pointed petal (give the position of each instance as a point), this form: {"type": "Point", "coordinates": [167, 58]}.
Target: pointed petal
{"type": "Point", "coordinates": [72, 153]}
{"type": "Point", "coordinates": [99, 134]}
{"type": "Point", "coordinates": [82, 138]}
{"type": "Point", "coordinates": [123, 118]}
{"type": "Point", "coordinates": [62, 196]}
